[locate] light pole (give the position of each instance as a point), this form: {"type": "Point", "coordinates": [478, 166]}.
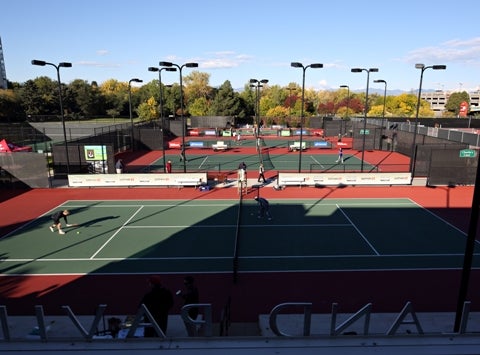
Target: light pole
{"type": "Point", "coordinates": [62, 114]}
{"type": "Point", "coordinates": [180, 67]}
{"type": "Point", "coordinates": [383, 114]}
{"type": "Point", "coordinates": [257, 84]}
{"type": "Point", "coordinates": [300, 65]}
{"type": "Point", "coordinates": [134, 80]}
{"type": "Point", "coordinates": [422, 68]}
{"type": "Point", "coordinates": [162, 116]}
{"type": "Point", "coordinates": [348, 98]}
{"type": "Point", "coordinates": [368, 71]}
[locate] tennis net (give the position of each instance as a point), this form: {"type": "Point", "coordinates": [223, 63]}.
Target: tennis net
{"type": "Point", "coordinates": [237, 239]}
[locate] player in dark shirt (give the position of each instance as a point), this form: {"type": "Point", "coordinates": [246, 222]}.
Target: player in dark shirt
{"type": "Point", "coordinates": [56, 221]}
{"type": "Point", "coordinates": [264, 208]}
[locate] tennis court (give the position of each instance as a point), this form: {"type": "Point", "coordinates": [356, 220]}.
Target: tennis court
{"type": "Point", "coordinates": [284, 162]}
{"type": "Point", "coordinates": [206, 236]}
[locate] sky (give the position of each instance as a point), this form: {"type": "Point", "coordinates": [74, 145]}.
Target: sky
{"type": "Point", "coordinates": [248, 39]}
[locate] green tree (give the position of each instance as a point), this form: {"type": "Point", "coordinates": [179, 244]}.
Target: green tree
{"type": "Point", "coordinates": [148, 90]}
{"type": "Point", "coordinates": [148, 111]}
{"type": "Point", "coordinates": [113, 113]}
{"type": "Point", "coordinates": [10, 108]}
{"type": "Point", "coordinates": [171, 99]}
{"type": "Point", "coordinates": [276, 95]}
{"type": "Point", "coordinates": [40, 97]}
{"type": "Point", "coordinates": [226, 102]}
{"type": "Point", "coordinates": [199, 107]}
{"type": "Point", "coordinates": [87, 100]}
{"type": "Point", "coordinates": [248, 96]}
{"type": "Point", "coordinates": [454, 101]}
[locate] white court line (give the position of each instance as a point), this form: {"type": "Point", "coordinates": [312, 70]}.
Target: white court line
{"type": "Point", "coordinates": [114, 234]}
{"type": "Point", "coordinates": [203, 162]}
{"type": "Point", "coordinates": [152, 205]}
{"type": "Point", "coordinates": [358, 230]}
{"type": "Point", "coordinates": [441, 219]}
{"type": "Point", "coordinates": [243, 226]}
{"type": "Point", "coordinates": [118, 259]}
{"type": "Point", "coordinates": [260, 257]}
{"type": "Point", "coordinates": [316, 161]}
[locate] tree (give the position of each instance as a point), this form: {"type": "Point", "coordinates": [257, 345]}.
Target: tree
{"type": "Point", "coordinates": [405, 105]}
{"type": "Point", "coordinates": [199, 107]}
{"type": "Point", "coordinates": [454, 101]}
{"type": "Point", "coordinates": [248, 95]}
{"type": "Point", "coordinates": [326, 109]}
{"type": "Point", "coordinates": [376, 111]}
{"type": "Point", "coordinates": [277, 115]}
{"type": "Point", "coordinates": [148, 111]}
{"type": "Point", "coordinates": [39, 97]}
{"type": "Point", "coordinates": [150, 89]}
{"type": "Point", "coordinates": [48, 90]}
{"type": "Point", "coordinates": [226, 102]}
{"type": "Point", "coordinates": [114, 93]}
{"type": "Point", "coordinates": [113, 113]}
{"type": "Point", "coordinates": [356, 104]}
{"type": "Point", "coordinates": [196, 85]}
{"type": "Point", "coordinates": [87, 100]}
{"type": "Point", "coordinates": [9, 105]}
{"type": "Point", "coordinates": [276, 95]}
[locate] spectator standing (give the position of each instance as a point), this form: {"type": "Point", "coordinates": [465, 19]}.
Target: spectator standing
{"type": "Point", "coordinates": [261, 174]}
{"type": "Point", "coordinates": [190, 295]}
{"type": "Point", "coordinates": [242, 180]}
{"type": "Point", "coordinates": [169, 167]}
{"type": "Point", "coordinates": [159, 301]}
{"type": "Point", "coordinates": [119, 166]}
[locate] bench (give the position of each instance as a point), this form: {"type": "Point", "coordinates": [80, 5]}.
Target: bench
{"type": "Point", "coordinates": [296, 146]}
{"type": "Point", "coordinates": [293, 181]}
{"type": "Point", "coordinates": [189, 182]}
{"type": "Point", "coordinates": [220, 145]}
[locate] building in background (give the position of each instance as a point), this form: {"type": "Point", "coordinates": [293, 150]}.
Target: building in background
{"type": "Point", "coordinates": [3, 73]}
{"type": "Point", "coordinates": [438, 99]}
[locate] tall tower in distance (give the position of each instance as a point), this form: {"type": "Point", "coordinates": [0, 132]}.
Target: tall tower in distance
{"type": "Point", "coordinates": [3, 73]}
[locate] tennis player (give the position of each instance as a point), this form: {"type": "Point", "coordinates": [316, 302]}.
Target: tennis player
{"type": "Point", "coordinates": [56, 221]}
{"type": "Point", "coordinates": [264, 208]}
{"type": "Point", "coordinates": [340, 156]}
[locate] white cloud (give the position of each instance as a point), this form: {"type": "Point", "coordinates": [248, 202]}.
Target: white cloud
{"type": "Point", "coordinates": [224, 59]}
{"type": "Point", "coordinates": [87, 63]}
{"type": "Point", "coordinates": [463, 51]}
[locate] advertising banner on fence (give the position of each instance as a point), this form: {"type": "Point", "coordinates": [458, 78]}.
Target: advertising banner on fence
{"type": "Point", "coordinates": [98, 180]}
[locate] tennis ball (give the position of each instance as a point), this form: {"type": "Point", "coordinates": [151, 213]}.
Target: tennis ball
{"type": "Point", "coordinates": [78, 232]}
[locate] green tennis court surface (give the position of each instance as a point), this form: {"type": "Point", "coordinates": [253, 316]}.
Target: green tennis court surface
{"type": "Point", "coordinates": [173, 236]}
{"type": "Point", "coordinates": [230, 162]}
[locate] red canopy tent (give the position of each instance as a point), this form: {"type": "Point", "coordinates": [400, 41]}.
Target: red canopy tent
{"type": "Point", "coordinates": [7, 147]}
